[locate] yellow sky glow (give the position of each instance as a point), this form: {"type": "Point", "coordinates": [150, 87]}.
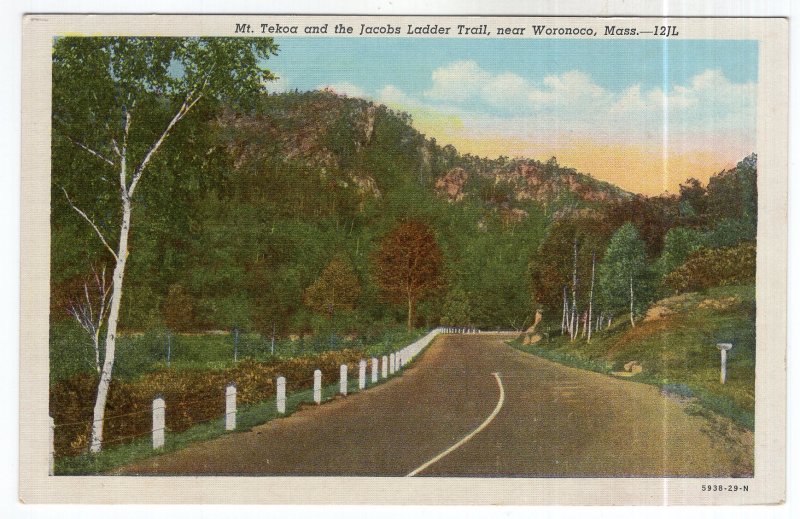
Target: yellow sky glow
{"type": "Point", "coordinates": [637, 168]}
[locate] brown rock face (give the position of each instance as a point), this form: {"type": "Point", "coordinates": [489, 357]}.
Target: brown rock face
{"type": "Point", "coordinates": [451, 185]}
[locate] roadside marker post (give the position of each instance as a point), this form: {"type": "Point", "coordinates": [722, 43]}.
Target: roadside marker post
{"type": "Point", "coordinates": [317, 386]}
{"type": "Point", "coordinates": [723, 361]}
{"type": "Point", "coordinates": [159, 422]}
{"type": "Point", "coordinates": [52, 457]}
{"type": "Point", "coordinates": [343, 379]}
{"type": "Point", "coordinates": [374, 373]}
{"type": "Point", "coordinates": [362, 374]}
{"type": "Point", "coordinates": [384, 366]}
{"type": "Point", "coordinates": [391, 363]}
{"type": "Point", "coordinates": [280, 395]}
{"type": "Point", "coordinates": [230, 407]}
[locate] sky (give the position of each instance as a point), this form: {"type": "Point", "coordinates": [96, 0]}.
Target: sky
{"type": "Point", "coordinates": [643, 114]}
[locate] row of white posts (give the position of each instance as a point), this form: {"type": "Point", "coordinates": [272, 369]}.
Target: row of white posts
{"type": "Point", "coordinates": [452, 329]}
{"type": "Point", "coordinates": [389, 365]}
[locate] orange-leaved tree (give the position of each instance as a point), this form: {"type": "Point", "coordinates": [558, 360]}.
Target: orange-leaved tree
{"type": "Point", "coordinates": [408, 265]}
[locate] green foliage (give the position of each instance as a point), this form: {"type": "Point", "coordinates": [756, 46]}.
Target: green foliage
{"type": "Point", "coordinates": [734, 194]}
{"type": "Point", "coordinates": [653, 217]}
{"type": "Point", "coordinates": [249, 202]}
{"type": "Point", "coordinates": [731, 231]}
{"type": "Point", "coordinates": [679, 243]}
{"type": "Point", "coordinates": [552, 265]}
{"type": "Point", "coordinates": [456, 308]}
{"type": "Point", "coordinates": [715, 267]}
{"type": "Point", "coordinates": [693, 200]}
{"type": "Point", "coordinates": [623, 270]}
{"type": "Point", "coordinates": [336, 289]}
{"type": "Point", "coordinates": [71, 350]}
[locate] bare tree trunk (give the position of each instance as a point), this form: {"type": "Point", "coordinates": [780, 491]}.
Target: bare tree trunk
{"type": "Point", "coordinates": [83, 311]}
{"type": "Point", "coordinates": [632, 323]}
{"type": "Point", "coordinates": [574, 288]}
{"type": "Point", "coordinates": [575, 324]}
{"type": "Point", "coordinates": [591, 300]}
{"type": "Point", "coordinates": [585, 320]}
{"type": "Point", "coordinates": [410, 322]}
{"type": "Point", "coordinates": [564, 311]}
{"type": "Point", "coordinates": [111, 332]}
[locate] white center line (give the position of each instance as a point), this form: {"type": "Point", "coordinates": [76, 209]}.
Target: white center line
{"type": "Point", "coordinates": [468, 437]}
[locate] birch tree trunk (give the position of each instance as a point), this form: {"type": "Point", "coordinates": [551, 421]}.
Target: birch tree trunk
{"type": "Point", "coordinates": [574, 289]}
{"type": "Point", "coordinates": [591, 298]}
{"type": "Point", "coordinates": [111, 331]}
{"type": "Point", "coordinates": [632, 323]}
{"type": "Point", "coordinates": [121, 255]}
{"type": "Point", "coordinates": [585, 320]}
{"type": "Point", "coordinates": [575, 324]}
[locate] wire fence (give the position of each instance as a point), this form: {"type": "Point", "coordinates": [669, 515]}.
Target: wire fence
{"type": "Point", "coordinates": [254, 403]}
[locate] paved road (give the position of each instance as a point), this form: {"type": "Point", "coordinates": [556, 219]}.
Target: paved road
{"type": "Point", "coordinates": [534, 418]}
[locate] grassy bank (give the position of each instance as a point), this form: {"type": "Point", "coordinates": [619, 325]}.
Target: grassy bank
{"type": "Point", "coordinates": [675, 345]}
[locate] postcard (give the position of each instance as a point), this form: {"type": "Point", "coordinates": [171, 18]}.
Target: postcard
{"type": "Point", "coordinates": [431, 259]}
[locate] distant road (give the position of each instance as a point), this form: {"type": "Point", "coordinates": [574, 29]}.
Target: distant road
{"type": "Point", "coordinates": [473, 406]}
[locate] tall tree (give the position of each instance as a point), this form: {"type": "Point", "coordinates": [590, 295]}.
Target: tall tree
{"type": "Point", "coordinates": [679, 243]}
{"type": "Point", "coordinates": [337, 288]}
{"type": "Point", "coordinates": [623, 272]}
{"type": "Point", "coordinates": [118, 99]}
{"type": "Point", "coordinates": [408, 265]}
{"type": "Point", "coordinates": [591, 301]}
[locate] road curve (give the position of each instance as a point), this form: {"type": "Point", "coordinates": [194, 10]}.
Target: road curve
{"type": "Point", "coordinates": [442, 418]}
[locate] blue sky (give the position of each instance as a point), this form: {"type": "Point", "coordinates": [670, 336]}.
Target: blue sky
{"type": "Point", "coordinates": [408, 62]}
{"type": "Point", "coordinates": [679, 104]}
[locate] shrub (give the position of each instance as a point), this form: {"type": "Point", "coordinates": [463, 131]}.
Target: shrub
{"type": "Point", "coordinates": [708, 268]}
{"type": "Point", "coordinates": [191, 396]}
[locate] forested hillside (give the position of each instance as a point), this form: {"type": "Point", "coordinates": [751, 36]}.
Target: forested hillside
{"type": "Point", "coordinates": [253, 205]}
{"type": "Point", "coordinates": [205, 231]}
{"type": "Point", "coordinates": [256, 206]}
{"type": "Point", "coordinates": [599, 264]}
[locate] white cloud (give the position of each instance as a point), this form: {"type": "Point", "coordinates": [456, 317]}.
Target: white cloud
{"type": "Point", "coordinates": [572, 104]}
{"type": "Point", "coordinates": [281, 84]}
{"type": "Point", "coordinates": [345, 88]}
{"type": "Point", "coordinates": [392, 96]}
{"type": "Point", "coordinates": [458, 81]}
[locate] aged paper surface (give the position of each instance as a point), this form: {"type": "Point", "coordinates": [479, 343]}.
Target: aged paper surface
{"type": "Point", "coordinates": [341, 149]}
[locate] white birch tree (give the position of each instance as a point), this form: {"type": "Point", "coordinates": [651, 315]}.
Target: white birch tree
{"type": "Point", "coordinates": [623, 273]}
{"type": "Point", "coordinates": [591, 301]}
{"type": "Point", "coordinates": [91, 309]}
{"type": "Point", "coordinates": [118, 100]}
